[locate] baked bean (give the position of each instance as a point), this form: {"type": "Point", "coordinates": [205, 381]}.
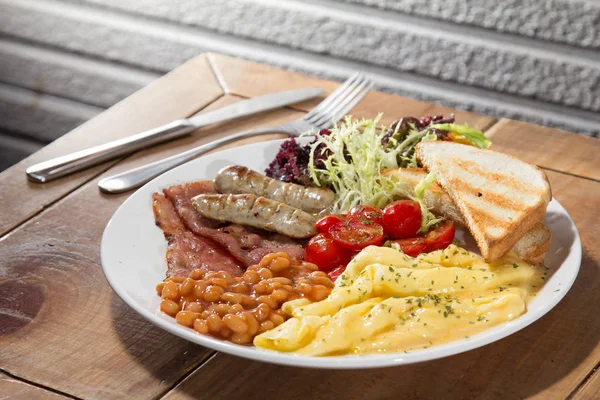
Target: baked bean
{"type": "Point", "coordinates": [213, 293]}
{"type": "Point", "coordinates": [214, 323]}
{"type": "Point", "coordinates": [251, 277]}
{"type": "Point", "coordinates": [247, 301]}
{"type": "Point", "coordinates": [219, 282]}
{"type": "Point", "coordinates": [279, 295]}
{"type": "Point", "coordinates": [261, 312]}
{"type": "Point", "coordinates": [276, 319]}
{"type": "Point", "coordinates": [240, 288]}
{"type": "Point", "coordinates": [220, 309]}
{"type": "Point", "coordinates": [265, 273]}
{"type": "Point", "coordinates": [261, 287]}
{"type": "Point", "coordinates": [252, 322]}
{"type": "Point", "coordinates": [235, 323]}
{"type": "Point", "coordinates": [201, 326]}
{"type": "Point", "coordinates": [268, 301]}
{"type": "Point", "coordinates": [266, 326]}
{"type": "Point", "coordinates": [194, 306]}
{"type": "Point", "coordinates": [225, 275]}
{"type": "Point", "coordinates": [186, 318]}
{"type": "Point", "coordinates": [266, 260]}
{"type": "Point", "coordinates": [304, 288]}
{"type": "Point", "coordinates": [279, 264]}
{"type": "Point", "coordinates": [159, 288]}
{"type": "Point", "coordinates": [199, 288]}
{"type": "Point", "coordinates": [236, 308]}
{"type": "Point", "coordinates": [187, 286]}
{"type": "Point", "coordinates": [281, 280]}
{"type": "Point", "coordinates": [319, 292]}
{"type": "Point", "coordinates": [241, 338]}
{"type": "Point", "coordinates": [197, 274]}
{"type": "Point", "coordinates": [169, 307]}
{"type": "Point", "coordinates": [239, 308]}
{"type": "Point", "coordinates": [232, 298]}
{"type": "Point", "coordinates": [170, 291]}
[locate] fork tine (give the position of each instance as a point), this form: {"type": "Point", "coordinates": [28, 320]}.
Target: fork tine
{"type": "Point", "coordinates": [334, 95]}
{"type": "Point", "coordinates": [352, 103]}
{"type": "Point", "coordinates": [348, 92]}
{"type": "Point", "coordinates": [345, 105]}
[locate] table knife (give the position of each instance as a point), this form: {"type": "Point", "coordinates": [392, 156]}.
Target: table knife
{"type": "Point", "coordinates": [70, 163]}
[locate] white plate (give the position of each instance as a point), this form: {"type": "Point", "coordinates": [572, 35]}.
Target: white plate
{"type": "Point", "coordinates": [133, 258]}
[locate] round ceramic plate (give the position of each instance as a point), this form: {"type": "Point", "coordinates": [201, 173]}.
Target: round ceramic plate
{"type": "Point", "coordinates": [133, 258]}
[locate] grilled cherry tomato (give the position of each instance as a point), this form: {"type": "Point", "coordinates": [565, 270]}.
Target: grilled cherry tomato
{"type": "Point", "coordinates": [413, 246]}
{"type": "Point", "coordinates": [325, 223]}
{"type": "Point", "coordinates": [366, 213]}
{"type": "Point", "coordinates": [335, 273]}
{"type": "Point", "coordinates": [325, 253]}
{"type": "Point", "coordinates": [440, 237]}
{"type": "Point", "coordinates": [356, 235]}
{"type": "Point", "coordinates": [402, 219]}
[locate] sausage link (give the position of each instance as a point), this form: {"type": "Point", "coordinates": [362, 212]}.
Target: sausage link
{"type": "Point", "coordinates": [237, 179]}
{"type": "Point", "coordinates": [259, 212]}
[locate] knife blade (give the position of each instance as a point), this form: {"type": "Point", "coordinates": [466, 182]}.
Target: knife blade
{"type": "Point", "coordinates": [70, 163]}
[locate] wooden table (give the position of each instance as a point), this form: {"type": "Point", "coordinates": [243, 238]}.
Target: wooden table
{"type": "Point", "coordinates": [64, 333]}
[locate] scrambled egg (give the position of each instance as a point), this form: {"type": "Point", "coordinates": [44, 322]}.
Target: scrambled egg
{"type": "Point", "coordinates": [387, 301]}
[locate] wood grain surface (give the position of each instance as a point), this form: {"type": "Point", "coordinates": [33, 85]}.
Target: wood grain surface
{"type": "Point", "coordinates": [233, 74]}
{"type": "Point", "coordinates": [178, 94]}
{"type": "Point", "coordinates": [62, 327]}
{"type": "Point", "coordinates": [14, 389]}
{"type": "Point", "coordinates": [549, 148]}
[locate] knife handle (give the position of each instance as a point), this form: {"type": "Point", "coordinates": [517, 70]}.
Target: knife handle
{"type": "Point", "coordinates": [65, 165]}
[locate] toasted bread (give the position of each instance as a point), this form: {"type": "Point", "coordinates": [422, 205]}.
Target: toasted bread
{"type": "Point", "coordinates": [500, 197]}
{"type": "Point", "coordinates": [532, 247]}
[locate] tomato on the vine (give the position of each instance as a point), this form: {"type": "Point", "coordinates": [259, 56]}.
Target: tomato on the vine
{"type": "Point", "coordinates": [366, 213]}
{"type": "Point", "coordinates": [356, 235]}
{"type": "Point", "coordinates": [441, 236]}
{"type": "Point", "coordinates": [325, 253]}
{"type": "Point", "coordinates": [402, 219]}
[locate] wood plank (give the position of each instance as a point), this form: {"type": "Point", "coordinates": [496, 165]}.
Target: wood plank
{"type": "Point", "coordinates": [60, 323]}
{"type": "Point", "coordinates": [589, 390]}
{"type": "Point", "coordinates": [233, 73]}
{"type": "Point", "coordinates": [547, 147]}
{"type": "Point", "coordinates": [546, 360]}
{"type": "Point", "coordinates": [12, 389]}
{"type": "Point", "coordinates": [178, 94]}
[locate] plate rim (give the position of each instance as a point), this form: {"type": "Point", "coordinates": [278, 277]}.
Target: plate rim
{"type": "Point", "coordinates": [480, 339]}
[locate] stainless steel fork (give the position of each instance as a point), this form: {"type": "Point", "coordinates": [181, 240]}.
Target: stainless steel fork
{"type": "Point", "coordinates": [323, 116]}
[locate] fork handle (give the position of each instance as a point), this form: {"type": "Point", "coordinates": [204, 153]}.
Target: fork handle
{"type": "Point", "coordinates": [136, 177]}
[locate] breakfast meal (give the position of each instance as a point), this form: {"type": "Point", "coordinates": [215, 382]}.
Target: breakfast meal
{"type": "Point", "coordinates": [346, 245]}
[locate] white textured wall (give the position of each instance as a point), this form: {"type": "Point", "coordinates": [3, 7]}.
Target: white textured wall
{"type": "Point", "coordinates": [63, 61]}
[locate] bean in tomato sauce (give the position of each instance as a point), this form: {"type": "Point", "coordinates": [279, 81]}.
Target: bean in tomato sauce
{"type": "Point", "coordinates": [239, 308]}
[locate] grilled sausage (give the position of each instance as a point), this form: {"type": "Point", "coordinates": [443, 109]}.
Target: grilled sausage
{"type": "Point", "coordinates": [259, 212]}
{"type": "Point", "coordinates": [236, 179]}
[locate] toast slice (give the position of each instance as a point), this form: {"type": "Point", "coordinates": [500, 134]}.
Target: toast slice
{"type": "Point", "coordinates": [500, 197]}
{"type": "Point", "coordinates": [532, 247]}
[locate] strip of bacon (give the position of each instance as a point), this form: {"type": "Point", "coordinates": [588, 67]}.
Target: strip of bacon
{"type": "Point", "coordinates": [186, 251]}
{"type": "Point", "coordinates": [246, 244]}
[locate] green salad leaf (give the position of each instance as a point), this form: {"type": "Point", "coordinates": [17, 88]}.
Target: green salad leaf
{"type": "Point", "coordinates": [353, 166]}
{"type": "Point", "coordinates": [475, 136]}
{"type": "Point", "coordinates": [428, 219]}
